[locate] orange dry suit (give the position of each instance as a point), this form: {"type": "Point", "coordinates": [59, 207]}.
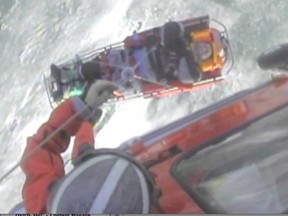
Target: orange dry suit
{"type": "Point", "coordinates": [45, 166]}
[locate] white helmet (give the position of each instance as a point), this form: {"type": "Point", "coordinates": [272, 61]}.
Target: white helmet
{"type": "Point", "coordinates": [108, 182]}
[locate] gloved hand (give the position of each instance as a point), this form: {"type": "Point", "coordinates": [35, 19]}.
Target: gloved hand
{"type": "Point", "coordinates": [98, 93]}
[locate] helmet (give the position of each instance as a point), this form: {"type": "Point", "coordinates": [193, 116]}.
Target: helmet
{"type": "Point", "coordinates": [108, 182]}
{"type": "Point", "coordinates": [172, 35]}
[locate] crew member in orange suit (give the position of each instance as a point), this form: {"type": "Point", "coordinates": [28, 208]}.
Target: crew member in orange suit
{"type": "Point", "coordinates": [99, 179]}
{"type": "Point", "coordinates": [46, 166]}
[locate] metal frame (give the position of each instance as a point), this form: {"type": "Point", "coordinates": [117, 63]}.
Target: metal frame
{"type": "Point", "coordinates": [87, 55]}
{"type": "Point", "coordinates": [228, 51]}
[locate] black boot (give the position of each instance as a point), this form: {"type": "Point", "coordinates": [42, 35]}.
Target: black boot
{"type": "Point", "coordinates": [57, 91]}
{"type": "Point", "coordinates": [90, 71]}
